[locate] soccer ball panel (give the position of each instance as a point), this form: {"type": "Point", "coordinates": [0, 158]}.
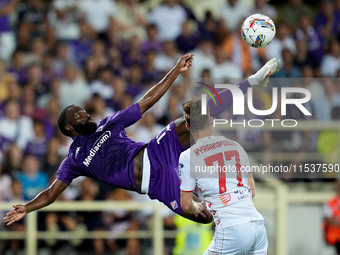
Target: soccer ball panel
{"type": "Point", "coordinates": [258, 30]}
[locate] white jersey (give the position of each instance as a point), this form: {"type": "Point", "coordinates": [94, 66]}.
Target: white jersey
{"type": "Point", "coordinates": [219, 167]}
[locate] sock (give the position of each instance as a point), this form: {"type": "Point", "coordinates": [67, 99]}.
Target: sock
{"type": "Point", "coordinates": [256, 78]}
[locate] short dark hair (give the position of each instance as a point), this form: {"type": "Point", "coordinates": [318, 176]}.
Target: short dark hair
{"type": "Point", "coordinates": [193, 116]}
{"type": "Point", "coordinates": [63, 121]}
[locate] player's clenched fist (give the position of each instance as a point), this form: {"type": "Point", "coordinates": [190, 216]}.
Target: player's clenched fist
{"type": "Point", "coordinates": [184, 62]}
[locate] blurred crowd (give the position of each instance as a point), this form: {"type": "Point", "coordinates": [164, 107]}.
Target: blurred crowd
{"type": "Point", "coordinates": [104, 54]}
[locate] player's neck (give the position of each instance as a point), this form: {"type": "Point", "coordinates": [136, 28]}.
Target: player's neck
{"type": "Point", "coordinates": [202, 134]}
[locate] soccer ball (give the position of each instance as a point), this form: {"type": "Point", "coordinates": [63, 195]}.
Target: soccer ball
{"type": "Point", "coordinates": [258, 30]}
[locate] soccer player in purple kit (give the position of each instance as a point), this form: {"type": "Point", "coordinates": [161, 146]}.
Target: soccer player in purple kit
{"type": "Point", "coordinates": [104, 152]}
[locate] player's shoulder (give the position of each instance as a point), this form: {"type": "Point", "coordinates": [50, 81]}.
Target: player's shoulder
{"type": "Point", "coordinates": [185, 154]}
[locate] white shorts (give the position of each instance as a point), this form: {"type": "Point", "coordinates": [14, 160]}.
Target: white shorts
{"type": "Point", "coordinates": [243, 239]}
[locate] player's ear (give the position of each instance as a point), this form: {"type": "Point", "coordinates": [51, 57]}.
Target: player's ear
{"type": "Point", "coordinates": [187, 126]}
{"type": "Point", "coordinates": [211, 121]}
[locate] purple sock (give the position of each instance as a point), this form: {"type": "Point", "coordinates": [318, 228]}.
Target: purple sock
{"type": "Point", "coordinates": [226, 98]}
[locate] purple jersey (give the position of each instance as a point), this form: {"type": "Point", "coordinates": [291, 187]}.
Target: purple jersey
{"type": "Point", "coordinates": [107, 154]}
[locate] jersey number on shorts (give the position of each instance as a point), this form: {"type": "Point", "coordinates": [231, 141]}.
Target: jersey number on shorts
{"type": "Point", "coordinates": [220, 162]}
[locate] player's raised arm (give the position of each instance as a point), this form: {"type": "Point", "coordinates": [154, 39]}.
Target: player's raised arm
{"type": "Point", "coordinates": [157, 91]}
{"type": "Point", "coordinates": [43, 199]}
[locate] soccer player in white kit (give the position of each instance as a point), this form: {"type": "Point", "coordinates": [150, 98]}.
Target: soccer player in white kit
{"type": "Point", "coordinates": [220, 168]}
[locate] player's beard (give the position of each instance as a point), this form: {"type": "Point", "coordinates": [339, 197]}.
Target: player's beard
{"type": "Point", "coordinates": [86, 128]}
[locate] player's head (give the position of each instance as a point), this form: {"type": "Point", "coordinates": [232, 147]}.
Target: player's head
{"type": "Point", "coordinates": [195, 120]}
{"type": "Point", "coordinates": [74, 120]}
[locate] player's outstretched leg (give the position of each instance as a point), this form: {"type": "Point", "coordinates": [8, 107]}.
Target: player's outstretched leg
{"type": "Point", "coordinates": [260, 78]}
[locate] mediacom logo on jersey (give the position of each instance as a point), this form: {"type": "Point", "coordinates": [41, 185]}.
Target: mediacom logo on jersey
{"type": "Point", "coordinates": [239, 102]}
{"type": "Point", "coordinates": [96, 146]}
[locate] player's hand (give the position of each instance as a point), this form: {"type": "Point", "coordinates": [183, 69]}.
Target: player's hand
{"type": "Point", "coordinates": [202, 210]}
{"type": "Point", "coordinates": [184, 62]}
{"type": "Point", "coordinates": [16, 214]}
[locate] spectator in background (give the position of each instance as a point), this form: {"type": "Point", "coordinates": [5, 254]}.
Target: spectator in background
{"type": "Point", "coordinates": [13, 160]}
{"type": "Point", "coordinates": [90, 69]}
{"type": "Point", "coordinates": [187, 40]}
{"type": "Point", "coordinates": [224, 69]}
{"type": "Point", "coordinates": [52, 159]}
{"type": "Point", "coordinates": [129, 19]}
{"type": "Point", "coordinates": [240, 54]}
{"type": "Point", "coordinates": [7, 84]}
{"type": "Point", "coordinates": [131, 54]}
{"type": "Point", "coordinates": [31, 178]}
{"type": "Point", "coordinates": [73, 85]}
{"type": "Point", "coordinates": [232, 13]}
{"type": "Point", "coordinates": [164, 61]}
{"type": "Point", "coordinates": [14, 127]}
{"type": "Point", "coordinates": [98, 13]}
{"type": "Point", "coordinates": [292, 11]}
{"type": "Point", "coordinates": [147, 128]}
{"type": "Point", "coordinates": [188, 10]}
{"type": "Point", "coordinates": [119, 96]}
{"type": "Point", "coordinates": [209, 27]}
{"type": "Point", "coordinates": [313, 38]}
{"type": "Point", "coordinates": [7, 36]}
{"type": "Point", "coordinates": [262, 6]}
{"type": "Point", "coordinates": [64, 19]}
{"type": "Point", "coordinates": [152, 43]}
{"type": "Point", "coordinates": [81, 48]}
{"type": "Point", "coordinates": [62, 58]}
{"type": "Point", "coordinates": [53, 109]}
{"type": "Point", "coordinates": [103, 84]}
{"type": "Point", "coordinates": [282, 40]}
{"type": "Point", "coordinates": [17, 66]}
{"type": "Point", "coordinates": [36, 52]}
{"type": "Point", "coordinates": [204, 57]}
{"type": "Point", "coordinates": [38, 145]}
{"type": "Point", "coordinates": [331, 62]}
{"type": "Point", "coordinates": [35, 80]}
{"type": "Point", "coordinates": [327, 20]}
{"type": "Point", "coordinates": [150, 73]}
{"type": "Point", "coordinates": [49, 71]}
{"type": "Point", "coordinates": [134, 81]}
{"type": "Point", "coordinates": [33, 22]}
{"type": "Point", "coordinates": [29, 107]}
{"type": "Point", "coordinates": [99, 53]}
{"type": "Point", "coordinates": [44, 100]}
{"type": "Point", "coordinates": [168, 17]}
{"type": "Point", "coordinates": [97, 107]}
{"type": "Point", "coordinates": [289, 68]}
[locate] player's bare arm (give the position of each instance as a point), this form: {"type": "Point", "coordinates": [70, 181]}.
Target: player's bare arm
{"type": "Point", "coordinates": [43, 199]}
{"type": "Point", "coordinates": [157, 91]}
